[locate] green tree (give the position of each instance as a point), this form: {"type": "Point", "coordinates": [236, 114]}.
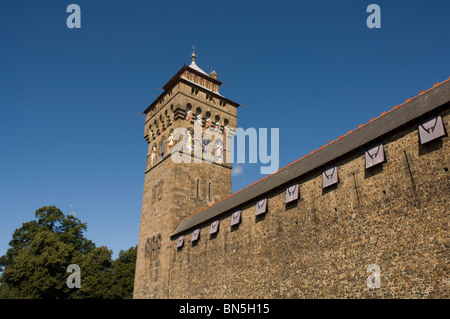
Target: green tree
{"type": "Point", "coordinates": [123, 274]}
{"type": "Point", "coordinates": [96, 274]}
{"type": "Point", "coordinates": [35, 264]}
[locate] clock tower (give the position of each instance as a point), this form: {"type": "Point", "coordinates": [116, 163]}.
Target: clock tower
{"type": "Point", "coordinates": [191, 104]}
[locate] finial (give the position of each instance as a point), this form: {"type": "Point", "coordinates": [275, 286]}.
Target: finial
{"type": "Point", "coordinates": [193, 56]}
{"type": "Point", "coordinates": [213, 74]}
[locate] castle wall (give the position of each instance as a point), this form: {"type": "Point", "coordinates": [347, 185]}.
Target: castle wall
{"type": "Point", "coordinates": [394, 215]}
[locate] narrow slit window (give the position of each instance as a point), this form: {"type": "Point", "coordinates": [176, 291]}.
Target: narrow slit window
{"type": "Point", "coordinates": [198, 187]}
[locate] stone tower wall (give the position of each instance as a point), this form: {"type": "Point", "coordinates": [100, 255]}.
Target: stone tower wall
{"type": "Point", "coordinates": [170, 189]}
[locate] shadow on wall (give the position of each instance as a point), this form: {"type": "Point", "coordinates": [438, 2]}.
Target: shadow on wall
{"type": "Point", "coordinates": [430, 147]}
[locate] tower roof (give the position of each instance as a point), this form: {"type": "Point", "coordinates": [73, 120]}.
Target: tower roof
{"type": "Point", "coordinates": [195, 69]}
{"type": "Point", "coordinates": [195, 66]}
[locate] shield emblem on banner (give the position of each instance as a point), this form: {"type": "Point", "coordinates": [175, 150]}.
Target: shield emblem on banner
{"type": "Point", "coordinates": [214, 227]}
{"type": "Point", "coordinates": [431, 129]}
{"type": "Point", "coordinates": [236, 218]}
{"type": "Point", "coordinates": [261, 207]}
{"type": "Point", "coordinates": [292, 193]}
{"type": "Point", "coordinates": [374, 156]}
{"type": "Point", "coordinates": [330, 177]}
{"type": "Point", "coordinates": [195, 235]}
{"type": "Point", "coordinates": [180, 241]}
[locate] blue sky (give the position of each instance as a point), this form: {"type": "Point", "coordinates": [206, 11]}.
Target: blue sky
{"type": "Point", "coordinates": [70, 133]}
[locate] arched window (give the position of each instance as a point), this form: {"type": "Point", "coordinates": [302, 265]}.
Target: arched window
{"type": "Point", "coordinates": [150, 132]}
{"type": "Point", "coordinates": [157, 128]}
{"type": "Point", "coordinates": [216, 123]}
{"type": "Point", "coordinates": [225, 127]}
{"type": "Point", "coordinates": [161, 149]}
{"type": "Point", "coordinates": [162, 125]}
{"type": "Point", "coordinates": [188, 112]}
{"type": "Point", "coordinates": [207, 119]}
{"type": "Point", "coordinates": [198, 116]}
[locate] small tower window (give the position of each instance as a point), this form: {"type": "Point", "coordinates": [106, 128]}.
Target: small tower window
{"type": "Point", "coordinates": [207, 119]}
{"type": "Point", "coordinates": [198, 187]}
{"type": "Point", "coordinates": [187, 116]}
{"type": "Point", "coordinates": [225, 127]}
{"type": "Point", "coordinates": [161, 149]}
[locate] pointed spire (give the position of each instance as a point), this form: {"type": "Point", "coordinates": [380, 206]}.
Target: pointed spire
{"type": "Point", "coordinates": [193, 65]}
{"type": "Point", "coordinates": [193, 56]}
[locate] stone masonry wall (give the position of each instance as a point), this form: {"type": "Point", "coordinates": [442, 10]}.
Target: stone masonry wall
{"type": "Point", "coordinates": [170, 189]}
{"type": "Point", "coordinates": [395, 215]}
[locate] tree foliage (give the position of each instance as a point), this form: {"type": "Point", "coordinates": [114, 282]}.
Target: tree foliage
{"type": "Point", "coordinates": [35, 265]}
